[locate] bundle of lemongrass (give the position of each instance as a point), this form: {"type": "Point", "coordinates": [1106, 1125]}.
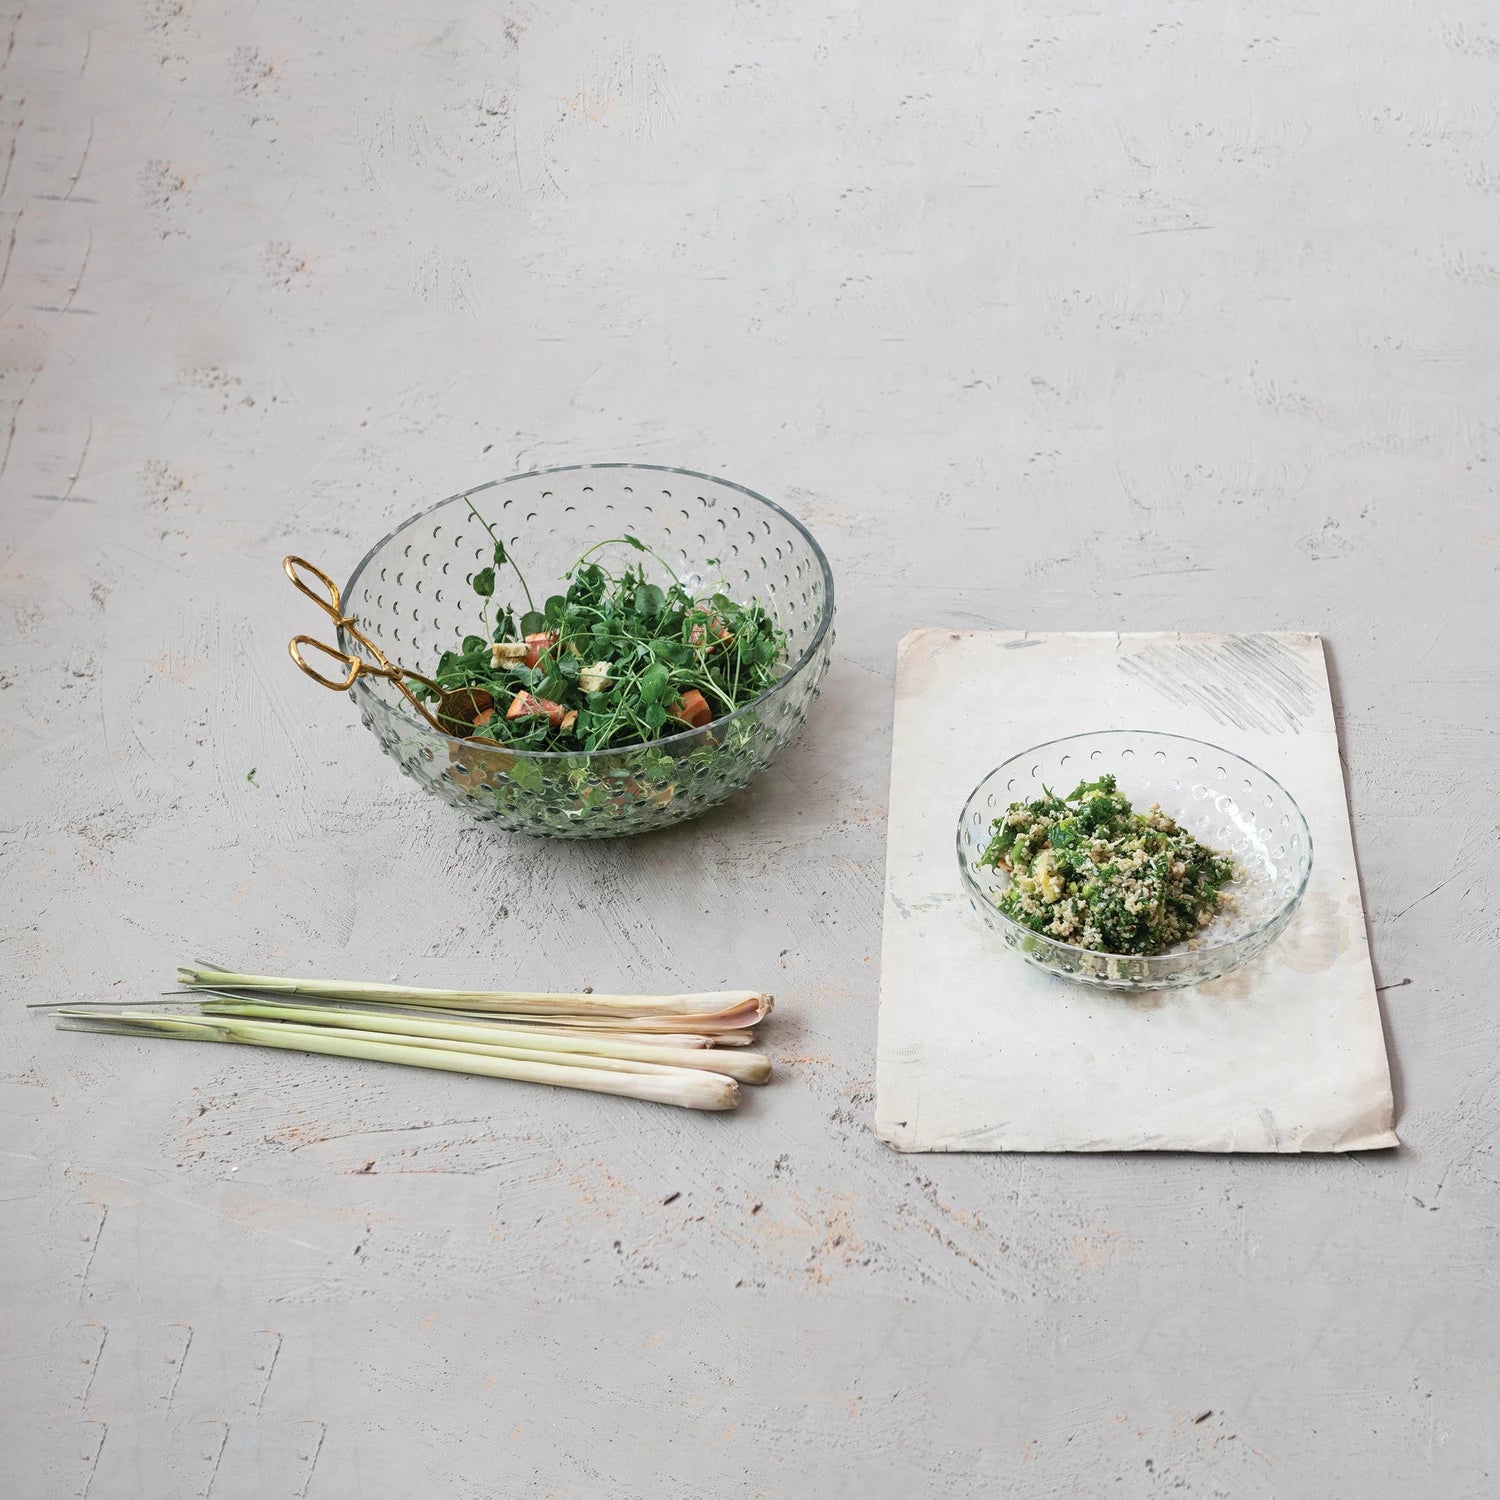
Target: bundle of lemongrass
{"type": "Point", "coordinates": [673, 1049]}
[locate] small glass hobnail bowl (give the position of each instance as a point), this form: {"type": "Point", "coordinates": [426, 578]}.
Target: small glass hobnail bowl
{"type": "Point", "coordinates": [413, 594]}
{"type": "Point", "coordinates": [1220, 798]}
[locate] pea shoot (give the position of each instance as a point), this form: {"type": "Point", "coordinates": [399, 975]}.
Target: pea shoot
{"type": "Point", "coordinates": [613, 660]}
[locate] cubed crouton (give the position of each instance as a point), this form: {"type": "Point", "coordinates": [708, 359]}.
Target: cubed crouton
{"type": "Point", "coordinates": [596, 678]}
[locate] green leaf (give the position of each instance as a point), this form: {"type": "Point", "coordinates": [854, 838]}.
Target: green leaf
{"type": "Point", "coordinates": [526, 775]}
{"type": "Point", "coordinates": [618, 616]}
{"type": "Point", "coordinates": [654, 683]}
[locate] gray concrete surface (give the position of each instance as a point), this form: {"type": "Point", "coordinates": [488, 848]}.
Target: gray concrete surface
{"type": "Point", "coordinates": [1049, 314]}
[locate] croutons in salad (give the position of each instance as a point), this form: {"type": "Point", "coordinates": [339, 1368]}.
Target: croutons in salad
{"type": "Point", "coordinates": [610, 662]}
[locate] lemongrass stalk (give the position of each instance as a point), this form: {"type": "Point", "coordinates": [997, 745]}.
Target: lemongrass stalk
{"type": "Point", "coordinates": [660, 1030]}
{"type": "Point", "coordinates": [748, 1067]}
{"type": "Point", "coordinates": [678, 1041]}
{"type": "Point", "coordinates": [684, 1087]}
{"type": "Point", "coordinates": [657, 1029]}
{"type": "Point", "coordinates": [520, 1054]}
{"type": "Point", "coordinates": [739, 1037]}
{"type": "Point", "coordinates": [526, 1002]}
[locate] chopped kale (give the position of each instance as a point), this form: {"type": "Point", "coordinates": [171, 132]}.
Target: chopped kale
{"type": "Point", "coordinates": [1089, 870]}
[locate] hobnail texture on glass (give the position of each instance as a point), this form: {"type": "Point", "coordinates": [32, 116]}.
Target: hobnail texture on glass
{"type": "Point", "coordinates": [1223, 800]}
{"type": "Point", "coordinates": [413, 595]}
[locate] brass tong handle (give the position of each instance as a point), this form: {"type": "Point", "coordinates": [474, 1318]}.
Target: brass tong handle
{"type": "Point", "coordinates": [329, 600]}
{"type": "Point", "coordinates": [353, 664]}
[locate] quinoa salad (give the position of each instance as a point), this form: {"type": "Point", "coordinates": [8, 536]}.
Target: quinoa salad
{"type": "Point", "coordinates": [1089, 870]}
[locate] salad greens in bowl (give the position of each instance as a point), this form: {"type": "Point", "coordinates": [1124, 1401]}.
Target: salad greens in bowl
{"type": "Point", "coordinates": [1131, 859]}
{"type": "Point", "coordinates": [619, 646]}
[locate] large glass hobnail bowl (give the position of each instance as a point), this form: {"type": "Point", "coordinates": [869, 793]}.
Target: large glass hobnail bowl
{"type": "Point", "coordinates": [1222, 799]}
{"type": "Point", "coordinates": [413, 595]}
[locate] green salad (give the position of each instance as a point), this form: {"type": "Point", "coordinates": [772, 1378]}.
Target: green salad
{"type": "Point", "coordinates": [612, 661]}
{"type": "Point", "coordinates": [1089, 870]}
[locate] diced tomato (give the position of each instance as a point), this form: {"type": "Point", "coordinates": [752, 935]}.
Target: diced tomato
{"type": "Point", "coordinates": [537, 644]}
{"type": "Point", "coordinates": [692, 709]}
{"type": "Point", "coordinates": [700, 632]}
{"type": "Point", "coordinates": [524, 706]}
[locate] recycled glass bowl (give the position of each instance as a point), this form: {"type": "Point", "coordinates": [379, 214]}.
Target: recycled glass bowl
{"type": "Point", "coordinates": [1222, 799]}
{"type": "Point", "coordinates": [413, 595]}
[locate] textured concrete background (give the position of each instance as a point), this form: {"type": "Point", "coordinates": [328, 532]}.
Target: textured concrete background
{"type": "Point", "coordinates": [1048, 314]}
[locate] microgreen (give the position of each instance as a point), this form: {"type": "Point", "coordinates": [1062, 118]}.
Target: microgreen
{"type": "Point", "coordinates": [620, 658]}
{"type": "Point", "coordinates": [1091, 870]}
{"type": "Point", "coordinates": [501, 559]}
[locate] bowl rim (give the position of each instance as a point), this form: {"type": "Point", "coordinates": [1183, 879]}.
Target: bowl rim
{"type": "Point", "coordinates": [1175, 954]}
{"type": "Point", "coordinates": [825, 619]}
